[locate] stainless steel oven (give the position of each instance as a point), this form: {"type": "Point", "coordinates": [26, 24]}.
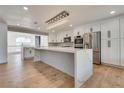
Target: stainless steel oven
{"type": "Point", "coordinates": [78, 42]}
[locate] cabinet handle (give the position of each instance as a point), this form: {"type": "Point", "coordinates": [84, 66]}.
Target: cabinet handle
{"type": "Point", "coordinates": [109, 33]}
{"type": "Point", "coordinates": [109, 43]}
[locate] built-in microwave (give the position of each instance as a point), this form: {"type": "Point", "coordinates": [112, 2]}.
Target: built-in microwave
{"type": "Point", "coordinates": [67, 39]}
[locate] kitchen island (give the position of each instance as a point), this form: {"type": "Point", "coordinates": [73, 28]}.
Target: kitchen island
{"type": "Point", "coordinates": [77, 63]}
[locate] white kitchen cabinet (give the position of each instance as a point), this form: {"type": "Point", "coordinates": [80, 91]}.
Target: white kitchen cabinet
{"type": "Point", "coordinates": [122, 40]}
{"type": "Point", "coordinates": [52, 37]}
{"type": "Point", "coordinates": [122, 27]}
{"type": "Point", "coordinates": [95, 27]}
{"type": "Point", "coordinates": [92, 27]}
{"type": "Point", "coordinates": [110, 55]}
{"type": "Point", "coordinates": [3, 43]}
{"type": "Point", "coordinates": [78, 31]}
{"type": "Point", "coordinates": [87, 28]}
{"type": "Point", "coordinates": [111, 26]}
{"type": "Point", "coordinates": [72, 36]}
{"type": "Point", "coordinates": [28, 52]}
{"type": "Point", "coordinates": [59, 37]}
{"type": "Point", "coordinates": [104, 50]}
{"type": "Point", "coordinates": [122, 52]}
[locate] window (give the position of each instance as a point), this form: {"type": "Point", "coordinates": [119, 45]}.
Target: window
{"type": "Point", "coordinates": [25, 40]}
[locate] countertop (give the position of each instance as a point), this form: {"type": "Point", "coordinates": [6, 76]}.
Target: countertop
{"type": "Point", "coordinates": [59, 49]}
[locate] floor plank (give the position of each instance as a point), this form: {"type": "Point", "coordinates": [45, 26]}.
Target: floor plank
{"type": "Point", "coordinates": [29, 74]}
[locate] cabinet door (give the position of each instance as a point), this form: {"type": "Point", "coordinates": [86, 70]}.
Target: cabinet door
{"type": "Point", "coordinates": [114, 52]}
{"type": "Point", "coordinates": [111, 26]}
{"type": "Point", "coordinates": [110, 51]}
{"type": "Point", "coordinates": [87, 28]}
{"type": "Point", "coordinates": [52, 37]}
{"type": "Point", "coordinates": [104, 51]}
{"type": "Point", "coordinates": [3, 43]}
{"type": "Point", "coordinates": [122, 52]}
{"type": "Point", "coordinates": [78, 31]}
{"type": "Point", "coordinates": [122, 27]}
{"type": "Point", "coordinates": [58, 37]}
{"type": "Point", "coordinates": [96, 28]}
{"type": "Point", "coordinates": [72, 36]}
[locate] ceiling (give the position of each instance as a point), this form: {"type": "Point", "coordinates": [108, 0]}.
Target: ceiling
{"type": "Point", "coordinates": [79, 14]}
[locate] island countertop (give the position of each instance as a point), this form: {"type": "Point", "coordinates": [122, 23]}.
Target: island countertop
{"type": "Point", "coordinates": [59, 49]}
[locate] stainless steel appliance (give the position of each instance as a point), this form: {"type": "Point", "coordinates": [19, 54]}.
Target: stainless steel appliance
{"type": "Point", "coordinates": [67, 39]}
{"type": "Point", "coordinates": [93, 40]}
{"type": "Point", "coordinates": [96, 45]}
{"type": "Point", "coordinates": [87, 40]}
{"type": "Point", "coordinates": [37, 41]}
{"type": "Point", "coordinates": [78, 42]}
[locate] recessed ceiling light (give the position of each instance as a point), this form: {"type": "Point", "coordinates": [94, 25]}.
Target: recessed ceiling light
{"type": "Point", "coordinates": [112, 12]}
{"type": "Point", "coordinates": [18, 24]}
{"type": "Point", "coordinates": [70, 25]}
{"type": "Point", "coordinates": [25, 8]}
{"type": "Point", "coordinates": [53, 31]}
{"type": "Point", "coordinates": [38, 27]}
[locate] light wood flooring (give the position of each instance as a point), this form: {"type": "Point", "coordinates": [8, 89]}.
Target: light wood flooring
{"type": "Point", "coordinates": [29, 74]}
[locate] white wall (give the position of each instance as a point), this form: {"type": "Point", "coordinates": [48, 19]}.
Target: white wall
{"type": "Point", "coordinates": [3, 42]}
{"type": "Point", "coordinates": [11, 38]}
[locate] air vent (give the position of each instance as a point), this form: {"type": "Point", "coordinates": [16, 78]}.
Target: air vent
{"type": "Point", "coordinates": [58, 17]}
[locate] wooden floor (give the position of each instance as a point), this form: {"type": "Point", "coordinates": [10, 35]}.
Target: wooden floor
{"type": "Point", "coordinates": [29, 74]}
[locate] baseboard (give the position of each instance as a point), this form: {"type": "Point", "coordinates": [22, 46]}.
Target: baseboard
{"type": "Point", "coordinates": [117, 66]}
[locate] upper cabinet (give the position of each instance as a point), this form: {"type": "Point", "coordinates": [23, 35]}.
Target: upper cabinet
{"type": "Point", "coordinates": [57, 37]}
{"type": "Point", "coordinates": [86, 28]}
{"type": "Point", "coordinates": [110, 29]}
{"type": "Point", "coordinates": [78, 31]}
{"type": "Point", "coordinates": [68, 34]}
{"type": "Point", "coordinates": [122, 27]}
{"type": "Point", "coordinates": [52, 37]}
{"type": "Point", "coordinates": [60, 37]}
{"type": "Point", "coordinates": [95, 27]}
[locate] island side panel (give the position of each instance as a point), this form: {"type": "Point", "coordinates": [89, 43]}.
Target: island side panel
{"type": "Point", "coordinates": [83, 66]}
{"type": "Point", "coordinates": [37, 53]}
{"type": "Point", "coordinates": [59, 60]}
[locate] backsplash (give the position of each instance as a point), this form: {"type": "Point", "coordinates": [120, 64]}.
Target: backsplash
{"type": "Point", "coordinates": [62, 44]}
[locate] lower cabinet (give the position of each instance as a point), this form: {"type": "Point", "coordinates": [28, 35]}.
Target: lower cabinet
{"type": "Point", "coordinates": [110, 52]}
{"type": "Point", "coordinates": [28, 53]}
